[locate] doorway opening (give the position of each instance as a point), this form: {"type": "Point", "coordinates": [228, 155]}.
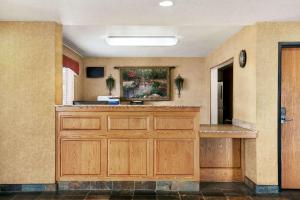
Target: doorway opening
{"type": "Point", "coordinates": [222, 93]}
{"type": "Point", "coordinates": [225, 94]}
{"type": "Point", "coordinates": [68, 86]}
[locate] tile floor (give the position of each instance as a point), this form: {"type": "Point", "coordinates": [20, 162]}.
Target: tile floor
{"type": "Point", "coordinates": [230, 191]}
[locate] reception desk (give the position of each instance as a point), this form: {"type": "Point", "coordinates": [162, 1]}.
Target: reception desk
{"type": "Point", "coordinates": [127, 143]}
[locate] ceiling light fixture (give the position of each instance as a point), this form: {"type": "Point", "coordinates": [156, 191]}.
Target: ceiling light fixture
{"type": "Point", "coordinates": [166, 3]}
{"type": "Point", "coordinates": [141, 40]}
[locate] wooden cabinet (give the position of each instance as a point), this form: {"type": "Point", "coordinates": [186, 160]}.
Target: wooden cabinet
{"type": "Point", "coordinates": [174, 157]}
{"type": "Point", "coordinates": [128, 157]}
{"type": "Point", "coordinates": [127, 143]}
{"type": "Point", "coordinates": [82, 158]}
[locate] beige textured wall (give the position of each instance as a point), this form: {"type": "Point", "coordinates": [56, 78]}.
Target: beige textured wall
{"type": "Point", "coordinates": [268, 36]}
{"type": "Point", "coordinates": [27, 117]}
{"type": "Point", "coordinates": [78, 85]}
{"type": "Point", "coordinates": [196, 86]}
{"type": "Point", "coordinates": [244, 95]}
{"type": "Point", "coordinates": [256, 91]}
{"type": "Point", "coordinates": [58, 64]}
{"type": "Point", "coordinates": [244, 84]}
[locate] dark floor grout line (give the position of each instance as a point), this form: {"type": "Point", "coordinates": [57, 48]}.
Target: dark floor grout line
{"type": "Point", "coordinates": [87, 194]}
{"type": "Point", "coordinates": [202, 194]}
{"type": "Point", "coordinates": [179, 196]}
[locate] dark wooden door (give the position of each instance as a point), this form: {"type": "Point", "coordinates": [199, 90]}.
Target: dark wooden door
{"type": "Point", "coordinates": [290, 127]}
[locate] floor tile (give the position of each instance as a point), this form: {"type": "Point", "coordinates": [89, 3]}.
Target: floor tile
{"type": "Point", "coordinates": [165, 197]}
{"type": "Point", "coordinates": [95, 197]}
{"type": "Point", "coordinates": [270, 197]}
{"type": "Point", "coordinates": [98, 196]}
{"type": "Point", "coordinates": [167, 193]}
{"type": "Point", "coordinates": [121, 197]}
{"type": "Point", "coordinates": [26, 196]}
{"type": "Point", "coordinates": [6, 196]}
{"type": "Point", "coordinates": [215, 193]}
{"type": "Point", "coordinates": [208, 191]}
{"type": "Point", "coordinates": [214, 198]}
{"type": "Point", "coordinates": [190, 193]}
{"type": "Point", "coordinates": [192, 197]}
{"type": "Point", "coordinates": [144, 197]}
{"type": "Point", "coordinates": [144, 192]}
{"type": "Point", "coordinates": [117, 193]}
{"type": "Point", "coordinates": [64, 195]}
{"type": "Point", "coordinates": [238, 198]}
{"type": "Point", "coordinates": [213, 190]}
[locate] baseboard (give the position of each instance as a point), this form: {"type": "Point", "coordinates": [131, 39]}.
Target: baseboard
{"type": "Point", "coordinates": [261, 189]}
{"type": "Point", "coordinates": [130, 185]}
{"type": "Point", "coordinates": [27, 187]}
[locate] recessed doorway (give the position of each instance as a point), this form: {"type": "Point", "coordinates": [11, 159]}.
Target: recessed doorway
{"type": "Point", "coordinates": [222, 93]}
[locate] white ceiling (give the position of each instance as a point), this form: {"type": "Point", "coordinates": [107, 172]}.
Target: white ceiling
{"type": "Point", "coordinates": [201, 25]}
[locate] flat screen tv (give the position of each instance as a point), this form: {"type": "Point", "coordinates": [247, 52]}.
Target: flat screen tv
{"type": "Point", "coordinates": [95, 72]}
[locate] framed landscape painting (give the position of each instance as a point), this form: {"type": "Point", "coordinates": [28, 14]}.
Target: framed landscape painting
{"type": "Point", "coordinates": [145, 83]}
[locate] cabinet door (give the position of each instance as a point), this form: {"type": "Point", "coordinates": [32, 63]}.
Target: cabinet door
{"type": "Point", "coordinates": [127, 157]}
{"type": "Point", "coordinates": [80, 158]}
{"type": "Point", "coordinates": [174, 157]}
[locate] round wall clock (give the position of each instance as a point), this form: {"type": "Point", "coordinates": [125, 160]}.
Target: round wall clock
{"type": "Point", "coordinates": [243, 58]}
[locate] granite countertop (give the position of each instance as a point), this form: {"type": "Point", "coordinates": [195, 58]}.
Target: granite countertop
{"type": "Point", "coordinates": [225, 131]}
{"type": "Point", "coordinates": [126, 107]}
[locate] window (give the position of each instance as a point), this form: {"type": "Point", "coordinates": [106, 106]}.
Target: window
{"type": "Point", "coordinates": [68, 86]}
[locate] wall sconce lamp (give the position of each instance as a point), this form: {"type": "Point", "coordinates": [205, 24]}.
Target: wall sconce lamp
{"type": "Point", "coordinates": [179, 84]}
{"type": "Point", "coordinates": [110, 83]}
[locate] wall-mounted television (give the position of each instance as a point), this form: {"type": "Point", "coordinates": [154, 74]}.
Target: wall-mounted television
{"type": "Point", "coordinates": [95, 72]}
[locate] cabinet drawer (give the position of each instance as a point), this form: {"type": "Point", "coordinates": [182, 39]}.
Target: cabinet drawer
{"type": "Point", "coordinates": [128, 123]}
{"type": "Point", "coordinates": [173, 123]}
{"type": "Point", "coordinates": [138, 123]}
{"type": "Point", "coordinates": [80, 123]}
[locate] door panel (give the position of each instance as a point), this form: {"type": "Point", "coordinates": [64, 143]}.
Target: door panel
{"type": "Point", "coordinates": [127, 157]}
{"type": "Point", "coordinates": [174, 157]}
{"type": "Point", "coordinates": [290, 134]}
{"type": "Point", "coordinates": [226, 153]}
{"type": "Point", "coordinates": [80, 157]}
{"type": "Point", "coordinates": [138, 157]}
{"type": "Point", "coordinates": [118, 157]}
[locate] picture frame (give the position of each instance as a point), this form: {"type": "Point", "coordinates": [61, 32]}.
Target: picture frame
{"type": "Point", "coordinates": [145, 83]}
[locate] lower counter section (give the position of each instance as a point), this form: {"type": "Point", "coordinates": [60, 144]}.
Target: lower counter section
{"type": "Point", "coordinates": [127, 159]}
{"type": "Point", "coordinates": [127, 143]}
{"type": "Point", "coordinates": [221, 160]}
{"type": "Point", "coordinates": [145, 143]}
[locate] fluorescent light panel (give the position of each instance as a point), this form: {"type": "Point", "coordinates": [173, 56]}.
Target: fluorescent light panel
{"type": "Point", "coordinates": [166, 3]}
{"type": "Point", "coordinates": [141, 40]}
